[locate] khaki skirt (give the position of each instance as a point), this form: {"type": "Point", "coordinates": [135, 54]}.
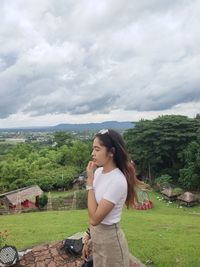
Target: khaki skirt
{"type": "Point", "coordinates": [109, 246]}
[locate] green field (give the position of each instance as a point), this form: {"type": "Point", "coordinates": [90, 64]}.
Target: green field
{"type": "Point", "coordinates": [165, 236]}
{"type": "Point", "coordinates": [56, 194]}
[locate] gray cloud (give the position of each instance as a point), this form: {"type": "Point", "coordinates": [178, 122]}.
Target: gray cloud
{"type": "Point", "coordinates": [81, 57]}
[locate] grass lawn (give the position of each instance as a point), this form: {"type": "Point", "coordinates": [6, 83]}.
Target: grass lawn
{"type": "Point", "coordinates": [56, 194]}
{"type": "Point", "coordinates": [165, 236]}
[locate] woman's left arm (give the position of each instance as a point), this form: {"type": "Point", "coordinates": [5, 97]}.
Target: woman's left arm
{"type": "Point", "coordinates": [96, 212]}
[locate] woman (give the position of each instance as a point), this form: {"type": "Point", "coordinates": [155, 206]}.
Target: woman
{"type": "Point", "coordinates": [109, 187]}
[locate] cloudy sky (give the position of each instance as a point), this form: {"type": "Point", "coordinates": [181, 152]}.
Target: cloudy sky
{"type": "Point", "coordinates": [66, 61]}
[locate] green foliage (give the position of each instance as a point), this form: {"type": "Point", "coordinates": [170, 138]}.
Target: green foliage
{"type": "Point", "coordinates": [156, 146]}
{"type": "Point", "coordinates": [61, 138]}
{"type": "Point", "coordinates": [190, 174]}
{"type": "Point", "coordinates": [3, 237]}
{"type": "Point", "coordinates": [43, 200]}
{"type": "Point", "coordinates": [50, 168]}
{"type": "Point", "coordinates": [45, 183]}
{"type": "Point", "coordinates": [4, 148]}
{"type": "Point", "coordinates": [21, 151]}
{"type": "Point", "coordinates": [164, 179]}
{"type": "Point", "coordinates": [168, 144]}
{"type": "Point", "coordinates": [81, 154]}
{"type": "Point", "coordinates": [177, 190]}
{"type": "Point", "coordinates": [64, 177]}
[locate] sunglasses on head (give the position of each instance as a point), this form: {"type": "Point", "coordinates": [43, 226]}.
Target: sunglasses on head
{"type": "Point", "coordinates": [103, 131]}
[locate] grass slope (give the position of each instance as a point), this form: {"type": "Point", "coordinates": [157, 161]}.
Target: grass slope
{"type": "Point", "coordinates": [165, 236]}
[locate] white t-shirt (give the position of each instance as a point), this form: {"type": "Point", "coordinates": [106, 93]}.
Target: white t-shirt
{"type": "Point", "coordinates": [111, 186]}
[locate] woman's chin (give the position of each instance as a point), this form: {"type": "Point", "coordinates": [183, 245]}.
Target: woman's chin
{"type": "Point", "coordinates": [96, 163]}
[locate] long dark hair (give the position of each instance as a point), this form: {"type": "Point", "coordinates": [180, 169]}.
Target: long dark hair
{"type": "Point", "coordinates": [114, 143]}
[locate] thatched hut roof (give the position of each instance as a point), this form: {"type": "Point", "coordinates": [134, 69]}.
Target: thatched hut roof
{"type": "Point", "coordinates": [188, 197]}
{"type": "Point", "coordinates": [168, 192]}
{"type": "Point", "coordinates": [20, 195]}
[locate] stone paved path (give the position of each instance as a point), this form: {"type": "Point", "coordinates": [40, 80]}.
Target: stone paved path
{"type": "Point", "coordinates": [52, 255]}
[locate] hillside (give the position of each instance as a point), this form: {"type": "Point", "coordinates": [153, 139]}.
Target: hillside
{"type": "Point", "coordinates": [76, 127]}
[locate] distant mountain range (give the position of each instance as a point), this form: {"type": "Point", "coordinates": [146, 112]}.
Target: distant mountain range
{"type": "Point", "coordinates": [77, 127]}
{"type": "Point", "coordinates": [95, 126]}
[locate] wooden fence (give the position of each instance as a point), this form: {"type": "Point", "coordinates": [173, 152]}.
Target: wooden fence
{"type": "Point", "coordinates": [76, 201]}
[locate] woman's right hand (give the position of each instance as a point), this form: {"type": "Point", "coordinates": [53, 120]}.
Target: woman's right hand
{"type": "Point", "coordinates": [90, 172]}
{"type": "Point", "coordinates": [85, 251]}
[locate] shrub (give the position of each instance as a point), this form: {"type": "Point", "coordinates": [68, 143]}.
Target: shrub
{"type": "Point", "coordinates": [45, 184]}
{"type": "Point", "coordinates": [162, 181]}
{"type": "Point", "coordinates": [43, 200]}
{"type": "Point", "coordinates": [3, 237]}
{"type": "Point", "coordinates": [178, 191]}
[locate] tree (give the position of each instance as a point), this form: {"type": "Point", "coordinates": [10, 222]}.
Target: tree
{"type": "Point", "coordinates": [190, 174]}
{"type": "Point", "coordinates": [156, 145]}
{"type": "Point", "coordinates": [81, 154]}
{"type": "Point", "coordinates": [21, 151]}
{"type": "Point", "coordinates": [61, 138]}
{"type": "Point", "coordinates": [48, 167]}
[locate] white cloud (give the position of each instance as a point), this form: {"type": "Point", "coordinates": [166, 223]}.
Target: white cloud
{"type": "Point", "coordinates": [86, 60]}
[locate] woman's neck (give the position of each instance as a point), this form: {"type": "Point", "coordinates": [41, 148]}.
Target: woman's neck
{"type": "Point", "coordinates": [109, 167]}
